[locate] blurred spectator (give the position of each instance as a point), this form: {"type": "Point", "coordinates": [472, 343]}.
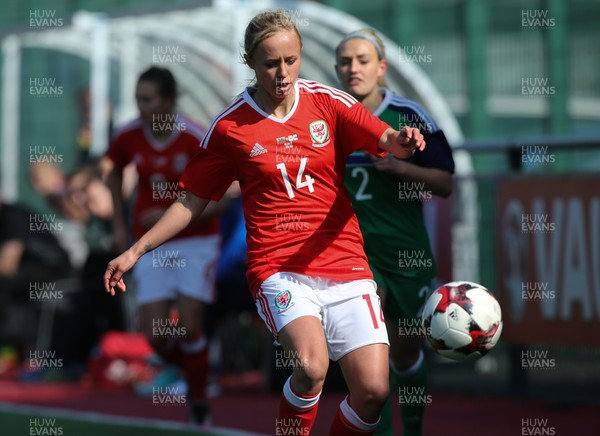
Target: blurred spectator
{"type": "Point", "coordinates": [51, 183]}
{"type": "Point", "coordinates": [92, 311]}
{"type": "Point", "coordinates": [29, 258]}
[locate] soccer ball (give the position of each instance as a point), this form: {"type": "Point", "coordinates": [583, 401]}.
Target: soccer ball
{"type": "Point", "coordinates": [462, 320]}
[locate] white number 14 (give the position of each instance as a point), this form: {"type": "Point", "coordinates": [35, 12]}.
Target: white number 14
{"type": "Point", "coordinates": [308, 182]}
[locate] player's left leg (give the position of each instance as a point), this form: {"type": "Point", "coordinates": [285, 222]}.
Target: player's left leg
{"type": "Point", "coordinates": [357, 338]}
{"type": "Point", "coordinates": [194, 356]}
{"type": "Point", "coordinates": [366, 373]}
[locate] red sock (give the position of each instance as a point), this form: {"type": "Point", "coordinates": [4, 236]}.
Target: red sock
{"type": "Point", "coordinates": [172, 352]}
{"type": "Point", "coordinates": [297, 412]}
{"type": "Point", "coordinates": [194, 361]}
{"type": "Point", "coordinates": [347, 423]}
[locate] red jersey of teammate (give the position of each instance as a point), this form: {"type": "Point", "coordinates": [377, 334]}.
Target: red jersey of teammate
{"type": "Point", "coordinates": [159, 167]}
{"type": "Point", "coordinates": [291, 172]}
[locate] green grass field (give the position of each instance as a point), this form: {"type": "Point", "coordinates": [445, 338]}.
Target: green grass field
{"type": "Point", "coordinates": [28, 422]}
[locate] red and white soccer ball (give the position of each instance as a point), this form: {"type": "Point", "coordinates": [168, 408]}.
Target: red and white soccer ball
{"type": "Point", "coordinates": [462, 320]}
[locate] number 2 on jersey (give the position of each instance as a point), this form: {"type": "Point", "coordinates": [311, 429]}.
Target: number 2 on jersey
{"type": "Point", "coordinates": [308, 182]}
{"type": "Point", "coordinates": [361, 195]}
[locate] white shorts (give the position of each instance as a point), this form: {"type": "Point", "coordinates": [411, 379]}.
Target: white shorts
{"type": "Point", "coordinates": [349, 311]}
{"type": "Point", "coordinates": [183, 266]}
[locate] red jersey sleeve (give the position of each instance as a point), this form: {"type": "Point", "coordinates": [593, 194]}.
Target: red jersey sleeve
{"type": "Point", "coordinates": [358, 129]}
{"type": "Point", "coordinates": [117, 152]}
{"type": "Point", "coordinates": [212, 169]}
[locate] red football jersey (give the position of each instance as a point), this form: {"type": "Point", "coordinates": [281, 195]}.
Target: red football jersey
{"type": "Point", "coordinates": [159, 167]}
{"type": "Point", "coordinates": [291, 172]}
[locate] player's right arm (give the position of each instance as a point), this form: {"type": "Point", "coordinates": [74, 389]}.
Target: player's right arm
{"type": "Point", "coordinates": [175, 219]}
{"type": "Point", "coordinates": [114, 181]}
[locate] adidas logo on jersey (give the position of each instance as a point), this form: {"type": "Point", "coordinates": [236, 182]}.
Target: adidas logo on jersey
{"type": "Point", "coordinates": [257, 150]}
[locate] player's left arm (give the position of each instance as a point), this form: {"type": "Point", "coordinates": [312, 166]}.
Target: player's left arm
{"type": "Point", "coordinates": [433, 167]}
{"type": "Point", "coordinates": [402, 143]}
{"type": "Point", "coordinates": [360, 130]}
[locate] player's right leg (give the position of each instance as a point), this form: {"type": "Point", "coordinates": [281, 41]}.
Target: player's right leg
{"type": "Point", "coordinates": [194, 357]}
{"type": "Point", "coordinates": [304, 338]}
{"type": "Point", "coordinates": [285, 303]}
{"type": "Point", "coordinates": [195, 283]}
{"type": "Point", "coordinates": [155, 296]}
{"type": "Point", "coordinates": [152, 316]}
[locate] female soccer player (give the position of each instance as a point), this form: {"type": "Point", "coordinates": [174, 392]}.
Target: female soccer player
{"type": "Point", "coordinates": [161, 142]}
{"type": "Point", "coordinates": [396, 240]}
{"type": "Point", "coordinates": [287, 141]}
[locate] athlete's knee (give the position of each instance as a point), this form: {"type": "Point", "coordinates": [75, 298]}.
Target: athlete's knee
{"type": "Point", "coordinates": [372, 393]}
{"type": "Point", "coordinates": [309, 376]}
{"type": "Point", "coordinates": [378, 392]}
